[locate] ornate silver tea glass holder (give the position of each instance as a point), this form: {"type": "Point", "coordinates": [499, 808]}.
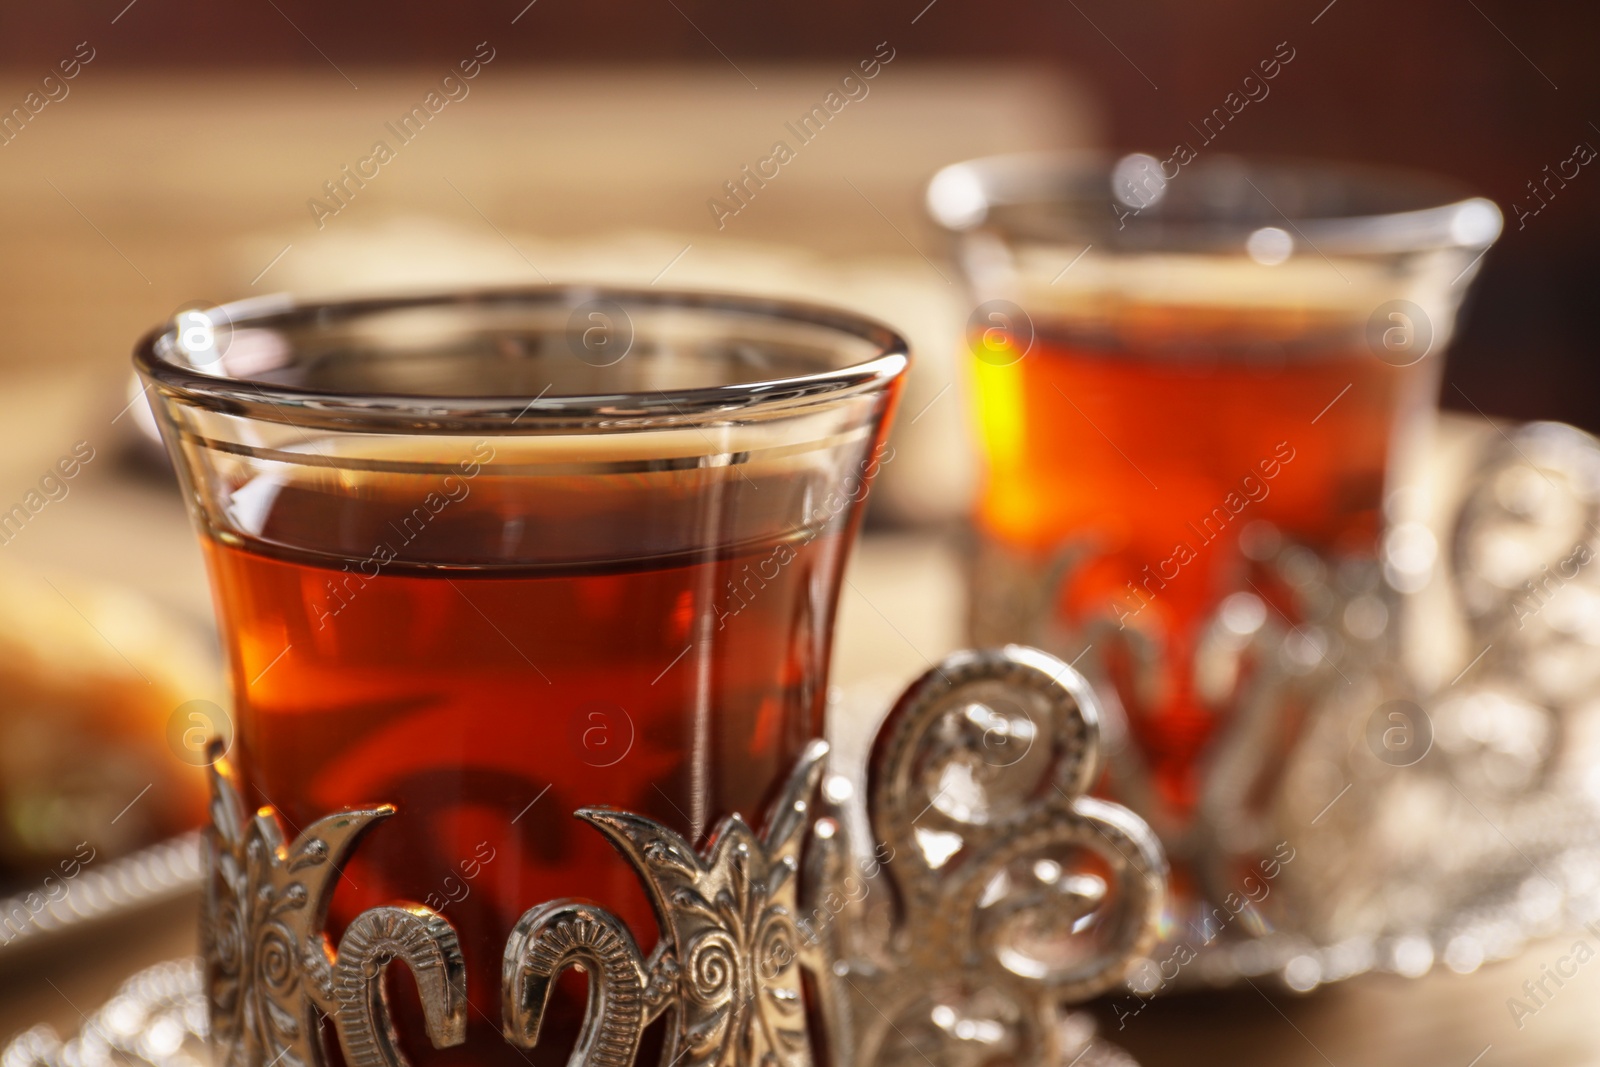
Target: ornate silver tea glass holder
{"type": "Point", "coordinates": [953, 918]}
{"type": "Point", "coordinates": [1408, 773]}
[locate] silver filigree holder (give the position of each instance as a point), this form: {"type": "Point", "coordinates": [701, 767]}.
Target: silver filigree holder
{"type": "Point", "coordinates": [1404, 770]}
{"type": "Point", "coordinates": [978, 893]}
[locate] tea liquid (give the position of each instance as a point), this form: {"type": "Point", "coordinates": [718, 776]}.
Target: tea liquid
{"type": "Point", "coordinates": [1153, 450]}
{"type": "Point", "coordinates": [488, 701]}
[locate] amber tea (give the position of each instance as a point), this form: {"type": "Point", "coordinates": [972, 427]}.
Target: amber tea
{"type": "Point", "coordinates": [492, 559]}
{"type": "Point", "coordinates": [1148, 455]}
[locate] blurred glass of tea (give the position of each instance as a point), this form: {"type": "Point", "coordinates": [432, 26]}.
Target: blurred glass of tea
{"type": "Point", "coordinates": [1190, 379]}
{"type": "Point", "coordinates": [495, 557]}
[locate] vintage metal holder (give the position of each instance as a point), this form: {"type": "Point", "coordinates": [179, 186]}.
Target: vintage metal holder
{"type": "Point", "coordinates": [987, 892]}
{"type": "Point", "coordinates": [1412, 759]}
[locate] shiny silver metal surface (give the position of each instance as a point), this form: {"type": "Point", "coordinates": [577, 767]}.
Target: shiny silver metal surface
{"type": "Point", "coordinates": [1404, 775]}
{"type": "Point", "coordinates": [990, 893]}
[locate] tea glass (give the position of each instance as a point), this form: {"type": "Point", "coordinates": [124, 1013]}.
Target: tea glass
{"type": "Point", "coordinates": [482, 560]}
{"type": "Point", "coordinates": [1201, 388]}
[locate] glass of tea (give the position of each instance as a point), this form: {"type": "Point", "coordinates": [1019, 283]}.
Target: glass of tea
{"type": "Point", "coordinates": [494, 557]}
{"type": "Point", "coordinates": [1198, 381]}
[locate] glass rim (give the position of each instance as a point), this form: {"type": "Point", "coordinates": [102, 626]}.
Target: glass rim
{"type": "Point", "coordinates": [420, 413]}
{"type": "Point", "coordinates": [962, 198]}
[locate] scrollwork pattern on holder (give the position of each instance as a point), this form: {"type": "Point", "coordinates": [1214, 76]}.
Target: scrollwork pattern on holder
{"type": "Point", "coordinates": [575, 933]}
{"type": "Point", "coordinates": [1415, 723]}
{"type": "Point", "coordinates": [726, 969]}
{"type": "Point", "coordinates": [425, 942]}
{"type": "Point", "coordinates": [271, 973]}
{"type": "Point", "coordinates": [1016, 891]}
{"type": "Point", "coordinates": [978, 795]}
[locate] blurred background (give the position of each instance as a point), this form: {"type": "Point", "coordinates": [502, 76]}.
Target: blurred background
{"type": "Point", "coordinates": [164, 153]}
{"type": "Point", "coordinates": [225, 134]}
